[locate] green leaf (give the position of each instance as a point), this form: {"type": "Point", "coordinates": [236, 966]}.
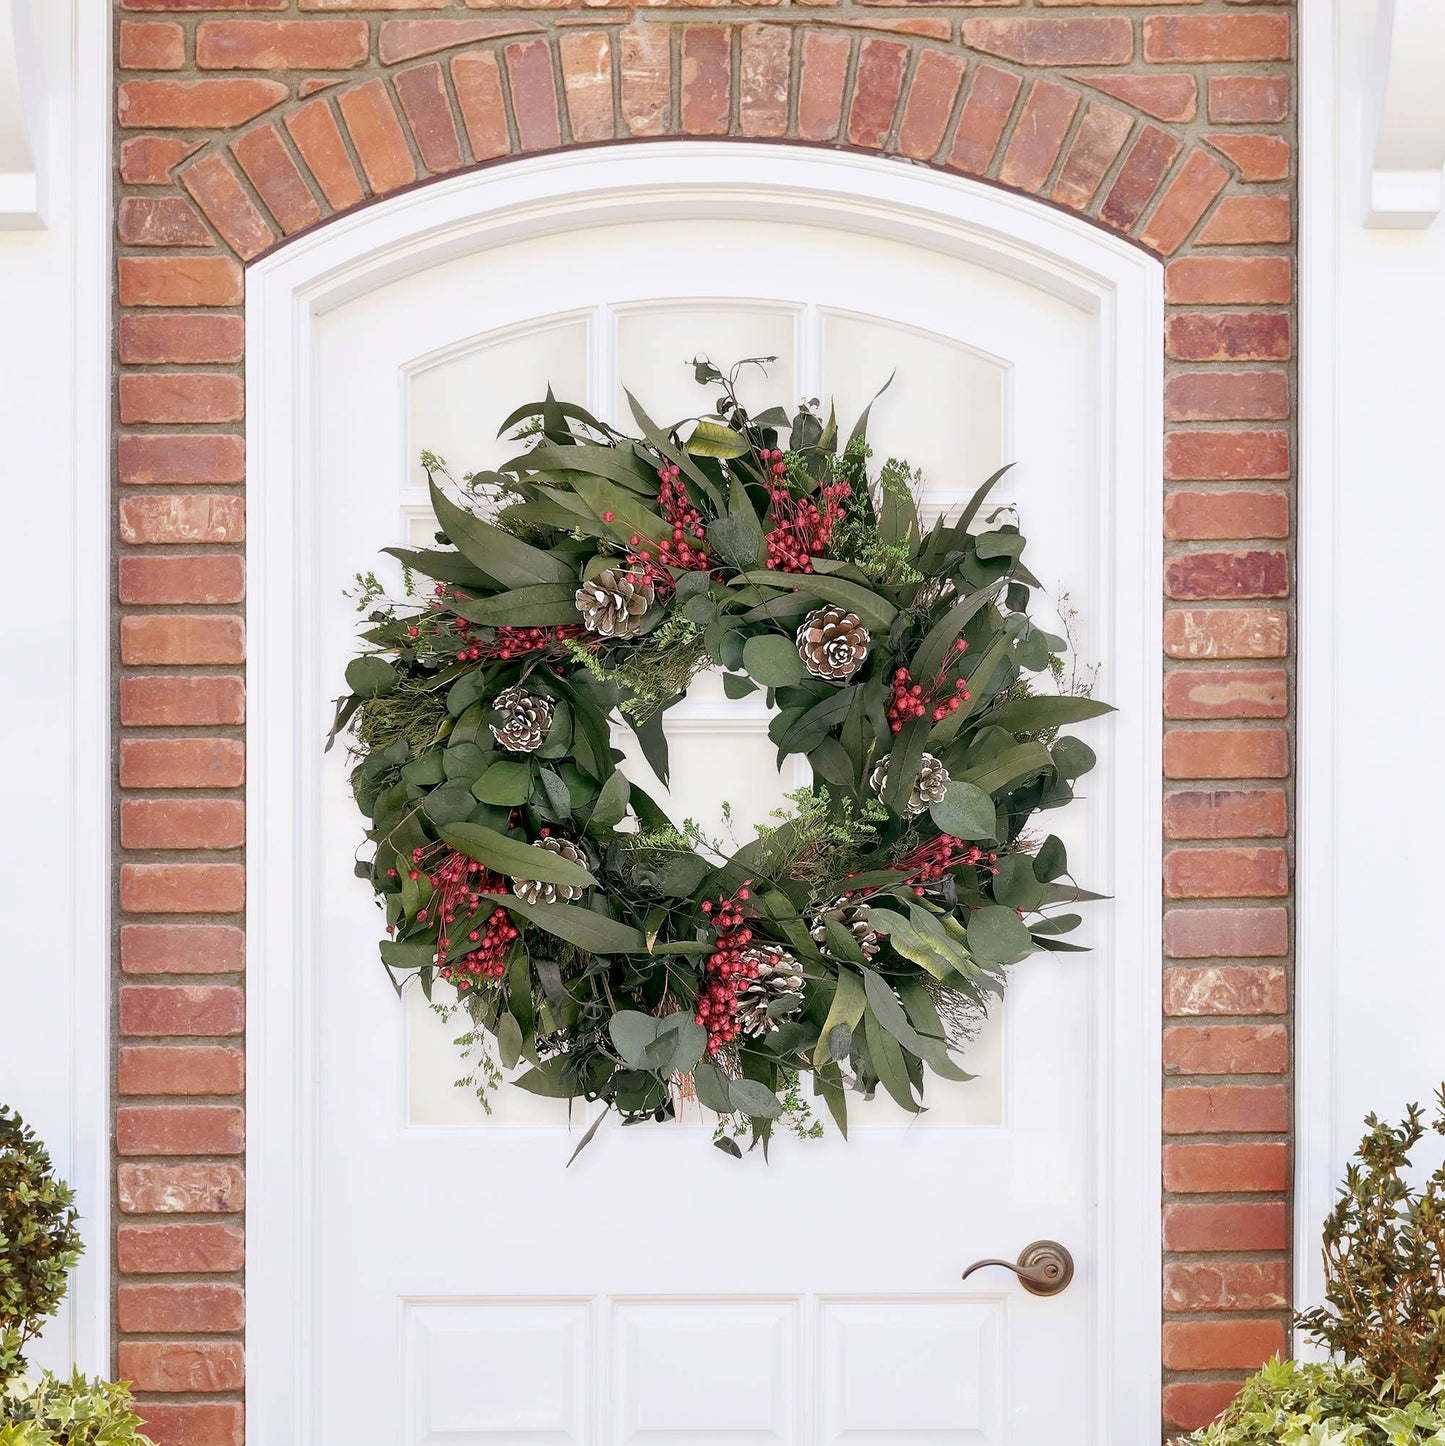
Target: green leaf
{"type": "Point", "coordinates": [712, 1088]}
{"type": "Point", "coordinates": [977, 500]}
{"type": "Point", "coordinates": [655, 439]}
{"type": "Point", "coordinates": [653, 741]}
{"type": "Point", "coordinates": [871, 610]}
{"type": "Point", "coordinates": [441, 566]}
{"type": "Point", "coordinates": [611, 806]}
{"type": "Point", "coordinates": [509, 1041]}
{"type": "Point", "coordinates": [1051, 860]}
{"type": "Point", "coordinates": [410, 954]}
{"type": "Point", "coordinates": [546, 605]}
{"type": "Point", "coordinates": [514, 563]}
{"type": "Point", "coordinates": [751, 1098]}
{"type": "Point", "coordinates": [1072, 757]}
{"type": "Point", "coordinates": [887, 1057]}
{"type": "Point", "coordinates": [585, 928]}
{"type": "Point", "coordinates": [713, 439]}
{"type": "Point", "coordinates": [1000, 773]}
{"type": "Point", "coordinates": [933, 651]}
{"type": "Point", "coordinates": [679, 1045]}
{"type": "Point", "coordinates": [451, 803]}
{"type": "Point", "coordinates": [1033, 715]}
{"type": "Point", "coordinates": [965, 811]}
{"type": "Point", "coordinates": [1059, 924]}
{"type": "Point", "coordinates": [371, 677]}
{"type": "Point", "coordinates": [773, 661]}
{"type": "Point", "coordinates": [631, 516]}
{"type": "Point", "coordinates": [514, 857]}
{"type": "Point", "coordinates": [506, 783]}
{"type": "Point", "coordinates": [426, 771]}
{"type": "Point", "coordinates": [1014, 883]}
{"type": "Point", "coordinates": [860, 427]}
{"type": "Point", "coordinates": [846, 1008]}
{"type": "Point", "coordinates": [884, 1004]}
{"type": "Point", "coordinates": [996, 933]}
{"type": "Point", "coordinates": [632, 1032]}
{"type": "Point", "coordinates": [938, 957]}
{"type": "Point", "coordinates": [550, 1080]}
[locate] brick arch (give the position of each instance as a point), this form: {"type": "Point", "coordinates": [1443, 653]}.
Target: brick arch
{"type": "Point", "coordinates": [1010, 100]}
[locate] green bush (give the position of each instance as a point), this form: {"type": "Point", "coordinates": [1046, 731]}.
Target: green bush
{"type": "Point", "coordinates": [39, 1245]}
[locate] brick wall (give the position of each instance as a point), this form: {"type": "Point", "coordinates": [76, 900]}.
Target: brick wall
{"type": "Point", "coordinates": [241, 122]}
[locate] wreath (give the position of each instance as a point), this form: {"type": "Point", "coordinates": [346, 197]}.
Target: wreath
{"type": "Point", "coordinates": [860, 938]}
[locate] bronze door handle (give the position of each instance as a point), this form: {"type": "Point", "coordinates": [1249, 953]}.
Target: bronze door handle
{"type": "Point", "coordinates": [1043, 1268]}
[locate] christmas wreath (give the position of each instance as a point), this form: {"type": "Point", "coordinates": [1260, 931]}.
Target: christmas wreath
{"type": "Point", "coordinates": [631, 961]}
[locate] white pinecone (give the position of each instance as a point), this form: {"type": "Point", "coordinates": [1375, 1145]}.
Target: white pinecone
{"type": "Point", "coordinates": [614, 602]}
{"type": "Point", "coordinates": [928, 788]}
{"type": "Point", "coordinates": [778, 977]}
{"type": "Point", "coordinates": [854, 919]}
{"type": "Point", "coordinates": [534, 891]}
{"type": "Point", "coordinates": [526, 720]}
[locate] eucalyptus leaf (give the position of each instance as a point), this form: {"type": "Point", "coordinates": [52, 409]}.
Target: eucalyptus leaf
{"type": "Point", "coordinates": [514, 857]}
{"type": "Point", "coordinates": [965, 811]}
{"type": "Point", "coordinates": [773, 661]}
{"type": "Point", "coordinates": [996, 933]}
{"type": "Point", "coordinates": [371, 677]}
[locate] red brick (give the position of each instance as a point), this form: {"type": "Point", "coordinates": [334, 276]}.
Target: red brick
{"type": "Point", "coordinates": [1144, 168]}
{"type": "Point", "coordinates": [1226, 1109]}
{"type": "Point", "coordinates": [1260, 1167]}
{"type": "Point", "coordinates": [180, 1189]}
{"type": "Point", "coordinates": [1216, 516]}
{"type": "Point", "coordinates": [1185, 200]}
{"type": "Point", "coordinates": [181, 397]}
{"type": "Point", "coordinates": [706, 67]}
{"type": "Point", "coordinates": [182, 823]}
{"type": "Point", "coordinates": [876, 91]}
{"type": "Point", "coordinates": [194, 1423]}
{"type": "Point", "coordinates": [534, 87]}
{"type": "Point", "coordinates": [1225, 873]}
{"type": "Point", "coordinates": [1230, 1226]}
{"type": "Point", "coordinates": [930, 103]}
{"type": "Point", "coordinates": [1225, 989]}
{"type": "Point", "coordinates": [180, 281]}
{"type": "Point", "coordinates": [152, 45]}
{"type": "Point", "coordinates": [1233, 693]}
{"type": "Point", "coordinates": [161, 221]}
{"type": "Point", "coordinates": [176, 520]}
{"type": "Point", "coordinates": [158, 701]}
{"type": "Point", "coordinates": [1191, 1405]}
{"type": "Point", "coordinates": [1248, 99]}
{"type": "Point", "coordinates": [182, 949]}
{"type": "Point", "coordinates": [182, 1366]}
{"type": "Point", "coordinates": [478, 79]}
{"type": "Point", "coordinates": [423, 95]}
{"type": "Point", "coordinates": [1226, 753]}
{"type": "Point", "coordinates": [314, 130]}
{"type": "Point", "coordinates": [164, 639]}
{"type": "Point", "coordinates": [182, 763]}
{"type": "Point", "coordinates": [1209, 38]}
{"type": "Point", "coordinates": [179, 1130]}
{"type": "Point", "coordinates": [1226, 633]}
{"type": "Point", "coordinates": [1259, 158]}
{"type": "Point", "coordinates": [1228, 336]}
{"type": "Point", "coordinates": [377, 135]}
{"type": "Point", "coordinates": [1055, 41]}
{"type": "Point", "coordinates": [152, 1069]}
{"type": "Point", "coordinates": [1248, 221]}
{"type": "Point", "coordinates": [1227, 1049]}
{"type": "Point", "coordinates": [202, 1248]}
{"type": "Point", "coordinates": [156, 460]}
{"type": "Point", "coordinates": [1226, 575]}
{"type": "Point", "coordinates": [646, 78]}
{"type": "Point", "coordinates": [203, 4]}
{"type": "Point", "coordinates": [282, 44]}
{"type": "Point", "coordinates": [407, 39]}
{"type": "Point", "coordinates": [182, 888]}
{"type": "Point", "coordinates": [263, 156]}
{"type": "Point", "coordinates": [195, 104]}
{"type": "Point", "coordinates": [375, 4]}
{"type": "Point", "coordinates": [1225, 280]}
{"type": "Point", "coordinates": [201, 1306]}
{"type": "Point", "coordinates": [1246, 933]}
{"type": "Point", "coordinates": [1044, 121]}
{"type": "Point", "coordinates": [1226, 813]}
{"type": "Point", "coordinates": [1220, 396]}
{"type": "Point", "coordinates": [1095, 147]}
{"type": "Point", "coordinates": [587, 76]}
{"type": "Point", "coordinates": [1165, 97]}
{"type": "Point", "coordinates": [161, 338]}
{"type": "Point", "coordinates": [149, 160]}
{"type": "Point", "coordinates": [1242, 1285]}
{"type": "Point", "coordinates": [981, 123]}
{"type": "Point", "coordinates": [184, 579]}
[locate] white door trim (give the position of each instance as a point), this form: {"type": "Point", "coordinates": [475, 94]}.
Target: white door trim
{"type": "Point", "coordinates": [572, 190]}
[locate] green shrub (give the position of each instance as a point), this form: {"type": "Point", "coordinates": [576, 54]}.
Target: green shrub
{"type": "Point", "coordinates": [54, 1411]}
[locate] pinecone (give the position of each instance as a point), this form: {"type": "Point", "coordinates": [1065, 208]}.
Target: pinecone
{"type": "Point", "coordinates": [928, 788]}
{"type": "Point", "coordinates": [778, 977]}
{"type": "Point", "coordinates": [832, 643]}
{"type": "Point", "coordinates": [534, 891]}
{"type": "Point", "coordinates": [854, 919]}
{"type": "Point", "coordinates": [613, 602]}
{"type": "Point", "coordinates": [526, 720]}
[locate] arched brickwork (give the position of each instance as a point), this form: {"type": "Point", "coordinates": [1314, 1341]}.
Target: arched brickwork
{"type": "Point", "coordinates": [244, 122]}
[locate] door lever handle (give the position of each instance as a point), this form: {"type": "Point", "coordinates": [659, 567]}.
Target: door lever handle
{"type": "Point", "coordinates": [1043, 1268]}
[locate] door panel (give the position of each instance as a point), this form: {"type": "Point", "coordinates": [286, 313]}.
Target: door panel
{"type": "Point", "coordinates": [657, 1291]}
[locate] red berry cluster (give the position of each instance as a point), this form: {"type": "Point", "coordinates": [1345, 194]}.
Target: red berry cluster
{"type": "Point", "coordinates": [801, 527]}
{"type": "Point", "coordinates": [908, 700]}
{"type": "Point", "coordinates": [929, 862]}
{"type": "Point", "coordinates": [682, 549]}
{"type": "Point", "coordinates": [460, 883]}
{"type": "Point", "coordinates": [456, 637]}
{"type": "Point", "coordinates": [728, 973]}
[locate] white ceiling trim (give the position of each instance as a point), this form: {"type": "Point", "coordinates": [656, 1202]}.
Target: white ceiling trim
{"type": "Point", "coordinates": [1405, 117]}
{"type": "Point", "coordinates": [21, 127]}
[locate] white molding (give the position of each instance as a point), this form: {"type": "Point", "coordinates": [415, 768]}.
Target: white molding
{"type": "Point", "coordinates": [22, 122]}
{"type": "Point", "coordinates": [1405, 115]}
{"type": "Point", "coordinates": [572, 190]}
{"type": "Point", "coordinates": [1317, 762]}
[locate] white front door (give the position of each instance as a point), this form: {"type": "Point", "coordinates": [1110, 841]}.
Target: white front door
{"type": "Point", "coordinates": [466, 1288]}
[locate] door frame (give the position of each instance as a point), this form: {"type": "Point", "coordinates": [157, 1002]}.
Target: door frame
{"type": "Point", "coordinates": [572, 190]}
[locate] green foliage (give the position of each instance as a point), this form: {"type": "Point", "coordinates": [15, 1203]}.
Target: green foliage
{"type": "Point", "coordinates": [1384, 1251]}
{"type": "Point", "coordinates": [79, 1411]}
{"type": "Point", "coordinates": [39, 1243]}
